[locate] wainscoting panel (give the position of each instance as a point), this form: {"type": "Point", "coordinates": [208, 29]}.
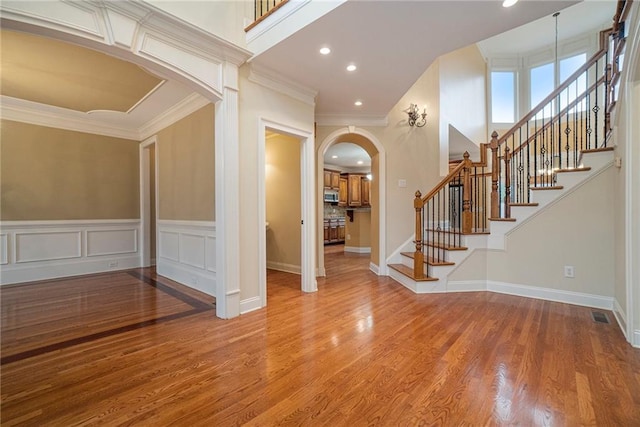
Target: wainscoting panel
{"type": "Point", "coordinates": [4, 249]}
{"type": "Point", "coordinates": [47, 245]}
{"type": "Point", "coordinates": [38, 250]}
{"type": "Point", "coordinates": [112, 242]}
{"type": "Point", "coordinates": [187, 253]}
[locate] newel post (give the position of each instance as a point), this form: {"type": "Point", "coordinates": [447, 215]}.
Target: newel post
{"type": "Point", "coordinates": [507, 183]}
{"type": "Point", "coordinates": [418, 256]}
{"type": "Point", "coordinates": [467, 217]}
{"type": "Point", "coordinates": [495, 175]}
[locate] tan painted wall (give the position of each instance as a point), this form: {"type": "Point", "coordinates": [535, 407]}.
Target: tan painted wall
{"type": "Point", "coordinates": [474, 267]}
{"type": "Point", "coordinates": [359, 231]}
{"type": "Point", "coordinates": [375, 209]}
{"type": "Point", "coordinates": [186, 168]}
{"type": "Point", "coordinates": [55, 174]}
{"type": "Point", "coordinates": [152, 200]}
{"type": "Point", "coordinates": [578, 231]}
{"type": "Point", "coordinates": [283, 198]}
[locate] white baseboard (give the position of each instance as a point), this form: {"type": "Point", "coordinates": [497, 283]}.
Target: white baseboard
{"type": "Point", "coordinates": [621, 317]}
{"type": "Point", "coordinates": [548, 294]}
{"type": "Point", "coordinates": [466, 286]}
{"type": "Point", "coordinates": [65, 268]}
{"type": "Point", "coordinates": [374, 268]}
{"type": "Point", "coordinates": [636, 338]}
{"type": "Point", "coordinates": [357, 250]}
{"type": "Point", "coordinates": [281, 266]}
{"type": "Point", "coordinates": [201, 280]}
{"type": "Point", "coordinates": [250, 304]}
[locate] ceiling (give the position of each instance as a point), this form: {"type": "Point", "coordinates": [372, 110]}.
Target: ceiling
{"type": "Point", "coordinates": [347, 155]}
{"type": "Point", "coordinates": [392, 42]}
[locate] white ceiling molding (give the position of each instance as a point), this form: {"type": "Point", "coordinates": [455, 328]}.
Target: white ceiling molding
{"type": "Point", "coordinates": [20, 110]}
{"type": "Point", "coordinates": [271, 80]}
{"type": "Point", "coordinates": [341, 120]}
{"type": "Point", "coordinates": [187, 106]}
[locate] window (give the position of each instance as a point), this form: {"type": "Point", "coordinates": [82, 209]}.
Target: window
{"type": "Point", "coordinates": [542, 83]}
{"type": "Point", "coordinates": [567, 67]}
{"type": "Point", "coordinates": [503, 96]}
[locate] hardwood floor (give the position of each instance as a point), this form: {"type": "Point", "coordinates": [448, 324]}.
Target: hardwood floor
{"type": "Point", "coordinates": [130, 348]}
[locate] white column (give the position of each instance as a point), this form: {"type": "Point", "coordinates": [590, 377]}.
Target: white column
{"type": "Point", "coordinates": [227, 199]}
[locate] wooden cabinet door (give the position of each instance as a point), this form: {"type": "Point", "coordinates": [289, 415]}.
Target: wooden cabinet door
{"type": "Point", "coordinates": [335, 180]}
{"type": "Point", "coordinates": [327, 178]}
{"type": "Point", "coordinates": [326, 232]}
{"type": "Point", "coordinates": [343, 191]}
{"type": "Point", "coordinates": [333, 230]}
{"type": "Point", "coordinates": [366, 191]}
{"type": "Point", "coordinates": [341, 232]}
{"type": "Point", "coordinates": [355, 190]}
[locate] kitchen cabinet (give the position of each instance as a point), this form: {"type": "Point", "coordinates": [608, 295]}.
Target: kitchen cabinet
{"type": "Point", "coordinates": [354, 191]}
{"type": "Point", "coordinates": [334, 230]}
{"type": "Point", "coordinates": [331, 179]}
{"type": "Point", "coordinates": [366, 191]}
{"type": "Point", "coordinates": [343, 191]}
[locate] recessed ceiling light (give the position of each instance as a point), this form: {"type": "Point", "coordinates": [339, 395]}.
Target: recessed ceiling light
{"type": "Point", "coordinates": [357, 103]}
{"type": "Point", "coordinates": [334, 157]}
{"type": "Point", "coordinates": [509, 3]}
{"type": "Point", "coordinates": [325, 51]}
{"type": "Point", "coordinates": [351, 67]}
{"type": "Point", "coordinates": [360, 162]}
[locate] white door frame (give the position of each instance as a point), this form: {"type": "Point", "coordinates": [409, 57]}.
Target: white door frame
{"type": "Point", "coordinates": [145, 199]}
{"type": "Point", "coordinates": [381, 269]}
{"type": "Point", "coordinates": [308, 244]}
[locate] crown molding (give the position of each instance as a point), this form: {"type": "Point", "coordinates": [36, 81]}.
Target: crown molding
{"type": "Point", "coordinates": [345, 120]}
{"type": "Point", "coordinates": [182, 109]}
{"type": "Point", "coordinates": [265, 77]}
{"type": "Point", "coordinates": [35, 113]}
{"type": "Point", "coordinates": [20, 110]}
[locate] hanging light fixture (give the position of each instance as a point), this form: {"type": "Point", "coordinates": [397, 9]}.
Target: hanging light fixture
{"type": "Point", "coordinates": [416, 118]}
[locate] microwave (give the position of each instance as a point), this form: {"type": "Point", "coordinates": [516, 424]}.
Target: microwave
{"type": "Point", "coordinates": [330, 196]}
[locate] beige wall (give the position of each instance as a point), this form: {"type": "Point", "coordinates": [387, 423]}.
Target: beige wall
{"type": "Point", "coordinates": [55, 174]}
{"type": "Point", "coordinates": [375, 209]}
{"type": "Point", "coordinates": [186, 168]}
{"type": "Point", "coordinates": [283, 198]}
{"type": "Point", "coordinates": [578, 231]}
{"type": "Point", "coordinates": [463, 95]}
{"type": "Point", "coordinates": [257, 102]}
{"type": "Point", "coordinates": [358, 232]}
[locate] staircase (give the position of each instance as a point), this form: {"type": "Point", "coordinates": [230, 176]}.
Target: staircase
{"type": "Point", "coordinates": [559, 144]}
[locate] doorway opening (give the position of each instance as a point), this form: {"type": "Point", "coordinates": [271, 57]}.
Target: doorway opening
{"type": "Point", "coordinates": [371, 219]}
{"type": "Point", "coordinates": [283, 200]}
{"type": "Point", "coordinates": [347, 200]}
{"type": "Point", "coordinates": [148, 200]}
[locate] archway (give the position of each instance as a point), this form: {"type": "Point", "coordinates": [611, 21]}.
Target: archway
{"type": "Point", "coordinates": [376, 151]}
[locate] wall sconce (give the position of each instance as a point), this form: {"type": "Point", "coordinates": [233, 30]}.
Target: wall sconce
{"type": "Point", "coordinates": [415, 118]}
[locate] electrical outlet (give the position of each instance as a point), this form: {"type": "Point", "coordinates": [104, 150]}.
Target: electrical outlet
{"type": "Point", "coordinates": [402, 183]}
{"type": "Point", "coordinates": [569, 271]}
{"type": "Point", "coordinates": [113, 264]}
{"type": "Point", "coordinates": [348, 236]}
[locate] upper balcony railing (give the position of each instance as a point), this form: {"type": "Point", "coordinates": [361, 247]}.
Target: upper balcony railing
{"type": "Point", "coordinates": [264, 8]}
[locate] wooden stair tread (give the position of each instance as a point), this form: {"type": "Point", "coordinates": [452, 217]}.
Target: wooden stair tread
{"type": "Point", "coordinates": [523, 204]}
{"type": "Point", "coordinates": [552, 187]}
{"type": "Point", "coordinates": [427, 259]}
{"type": "Point", "coordinates": [582, 169]}
{"type": "Point", "coordinates": [597, 150]}
{"type": "Point", "coordinates": [503, 219]}
{"type": "Point", "coordinates": [445, 246]}
{"type": "Point", "coordinates": [408, 271]}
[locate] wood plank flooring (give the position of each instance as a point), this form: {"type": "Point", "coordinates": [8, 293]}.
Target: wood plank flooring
{"type": "Point", "coordinates": [133, 348]}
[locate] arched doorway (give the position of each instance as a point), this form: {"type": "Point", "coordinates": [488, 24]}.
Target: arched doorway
{"type": "Point", "coordinates": [376, 151]}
